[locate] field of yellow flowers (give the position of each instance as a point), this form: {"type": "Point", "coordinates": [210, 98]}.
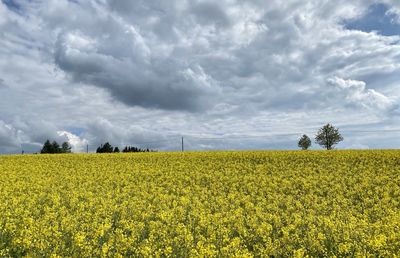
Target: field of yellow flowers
{"type": "Point", "coordinates": [206, 204]}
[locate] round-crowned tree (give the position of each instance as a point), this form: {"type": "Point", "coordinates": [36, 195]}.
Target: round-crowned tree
{"type": "Point", "coordinates": [304, 142]}
{"type": "Point", "coordinates": [328, 136]}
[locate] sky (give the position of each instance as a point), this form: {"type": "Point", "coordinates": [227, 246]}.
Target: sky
{"type": "Point", "coordinates": [225, 75]}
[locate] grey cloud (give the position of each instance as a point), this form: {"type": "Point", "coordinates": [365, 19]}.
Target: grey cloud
{"type": "Point", "coordinates": [37, 131]}
{"type": "Point", "coordinates": [8, 136]}
{"type": "Point", "coordinates": [128, 72]}
{"type": "Point", "coordinates": [210, 13]}
{"type": "Point", "coordinates": [102, 130]}
{"type": "Point", "coordinates": [273, 44]}
{"type": "Point", "coordinates": [2, 84]}
{"type": "Point", "coordinates": [136, 78]}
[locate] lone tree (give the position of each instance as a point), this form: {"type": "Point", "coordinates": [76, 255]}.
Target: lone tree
{"type": "Point", "coordinates": [304, 142]}
{"type": "Point", "coordinates": [328, 136]}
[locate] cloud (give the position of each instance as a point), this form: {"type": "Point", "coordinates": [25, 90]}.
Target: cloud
{"type": "Point", "coordinates": [357, 147]}
{"type": "Point", "coordinates": [3, 14]}
{"type": "Point", "coordinates": [8, 136]}
{"type": "Point", "coordinates": [133, 68]}
{"type": "Point", "coordinates": [77, 144]}
{"type": "Point", "coordinates": [221, 53]}
{"type": "Point", "coordinates": [207, 13]}
{"type": "Point", "coordinates": [357, 93]}
{"type": "Point", "coordinates": [148, 72]}
{"type": "Point", "coordinates": [14, 140]}
{"type": "Point", "coordinates": [102, 130]}
{"type": "Point", "coordinates": [2, 84]}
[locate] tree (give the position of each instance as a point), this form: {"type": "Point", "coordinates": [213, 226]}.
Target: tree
{"type": "Point", "coordinates": [47, 147]}
{"type": "Point", "coordinates": [135, 149]}
{"type": "Point", "coordinates": [328, 136]}
{"type": "Point", "coordinates": [106, 148]}
{"type": "Point", "coordinates": [304, 142]}
{"type": "Point", "coordinates": [116, 150]}
{"type": "Point", "coordinates": [55, 147]}
{"type": "Point", "coordinates": [65, 147]}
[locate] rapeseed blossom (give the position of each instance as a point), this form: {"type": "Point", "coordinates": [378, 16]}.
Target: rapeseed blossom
{"type": "Point", "coordinates": [206, 204]}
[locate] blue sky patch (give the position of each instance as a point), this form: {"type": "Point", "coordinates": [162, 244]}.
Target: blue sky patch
{"type": "Point", "coordinates": [377, 18]}
{"type": "Point", "coordinates": [76, 130]}
{"type": "Point", "coordinates": [12, 5]}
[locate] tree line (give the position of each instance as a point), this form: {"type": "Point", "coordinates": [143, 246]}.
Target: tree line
{"type": "Point", "coordinates": [54, 147]}
{"type": "Point", "coordinates": [108, 148]}
{"type": "Point", "coordinates": [327, 137]}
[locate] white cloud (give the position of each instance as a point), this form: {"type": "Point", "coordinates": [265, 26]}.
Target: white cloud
{"type": "Point", "coordinates": [78, 144]}
{"type": "Point", "coordinates": [357, 146]}
{"type": "Point", "coordinates": [357, 93]}
{"type": "Point", "coordinates": [9, 137]}
{"type": "Point", "coordinates": [3, 14]}
{"type": "Point", "coordinates": [150, 71]}
{"type": "Point", "coordinates": [78, 42]}
{"type": "Point", "coordinates": [395, 9]}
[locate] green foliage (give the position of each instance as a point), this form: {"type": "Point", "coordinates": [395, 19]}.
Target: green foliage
{"type": "Point", "coordinates": [304, 142]}
{"type": "Point", "coordinates": [47, 147]}
{"type": "Point", "coordinates": [106, 148]}
{"type": "Point", "coordinates": [65, 148]}
{"type": "Point", "coordinates": [54, 147]}
{"type": "Point", "coordinates": [328, 136]}
{"type": "Point", "coordinates": [134, 149]}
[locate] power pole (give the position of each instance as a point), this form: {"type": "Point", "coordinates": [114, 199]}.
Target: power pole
{"type": "Point", "coordinates": [87, 148]}
{"type": "Point", "coordinates": [182, 145]}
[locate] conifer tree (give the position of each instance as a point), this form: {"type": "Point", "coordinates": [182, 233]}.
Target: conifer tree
{"type": "Point", "coordinates": [47, 147]}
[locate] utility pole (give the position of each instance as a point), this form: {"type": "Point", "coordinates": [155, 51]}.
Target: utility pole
{"type": "Point", "coordinates": [87, 148]}
{"type": "Point", "coordinates": [182, 145]}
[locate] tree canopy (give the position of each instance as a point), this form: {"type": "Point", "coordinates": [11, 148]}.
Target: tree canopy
{"type": "Point", "coordinates": [54, 147]}
{"type": "Point", "coordinates": [328, 136]}
{"type": "Point", "coordinates": [106, 148]}
{"type": "Point", "coordinates": [304, 142]}
{"type": "Point", "coordinates": [134, 149]}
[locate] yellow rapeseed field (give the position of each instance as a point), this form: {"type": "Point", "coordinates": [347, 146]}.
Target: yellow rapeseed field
{"type": "Point", "coordinates": [206, 204]}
